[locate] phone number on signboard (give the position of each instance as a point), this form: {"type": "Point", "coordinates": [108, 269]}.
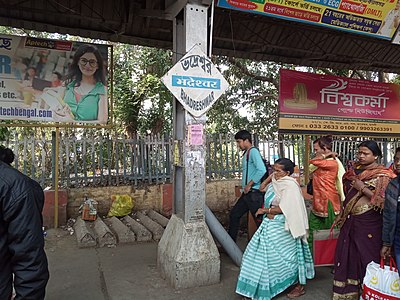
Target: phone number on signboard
{"type": "Point", "coordinates": [349, 127]}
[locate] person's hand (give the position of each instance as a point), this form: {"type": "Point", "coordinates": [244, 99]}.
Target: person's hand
{"type": "Point", "coordinates": [331, 154]}
{"type": "Point", "coordinates": [263, 186]}
{"type": "Point", "coordinates": [338, 219]}
{"type": "Point", "coordinates": [385, 251]}
{"type": "Point", "coordinates": [270, 216]}
{"type": "Point", "coordinates": [246, 189]}
{"type": "Point", "coordinates": [63, 113]}
{"type": "Point", "coordinates": [358, 184]}
{"type": "Point", "coordinates": [260, 211]}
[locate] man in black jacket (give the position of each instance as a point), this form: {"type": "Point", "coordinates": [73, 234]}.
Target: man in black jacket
{"type": "Point", "coordinates": [391, 214]}
{"type": "Point", "coordinates": [21, 236]}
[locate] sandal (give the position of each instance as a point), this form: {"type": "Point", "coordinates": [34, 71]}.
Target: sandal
{"type": "Point", "coordinates": [296, 292]}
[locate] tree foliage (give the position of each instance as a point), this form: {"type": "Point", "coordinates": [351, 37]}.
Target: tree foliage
{"type": "Point", "coordinates": [252, 99]}
{"type": "Point", "coordinates": [142, 103]}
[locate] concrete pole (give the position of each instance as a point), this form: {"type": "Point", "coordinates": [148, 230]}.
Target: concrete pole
{"type": "Point", "coordinates": [187, 255]}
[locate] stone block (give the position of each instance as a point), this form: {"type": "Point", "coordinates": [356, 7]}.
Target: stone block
{"type": "Point", "coordinates": [160, 219]}
{"type": "Point", "coordinates": [104, 236]}
{"type": "Point", "coordinates": [156, 229]}
{"type": "Point", "coordinates": [141, 232]}
{"type": "Point", "coordinates": [84, 235]}
{"type": "Point", "coordinates": [121, 231]}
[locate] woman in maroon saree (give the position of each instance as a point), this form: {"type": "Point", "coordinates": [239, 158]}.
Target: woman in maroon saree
{"type": "Point", "coordinates": [360, 236]}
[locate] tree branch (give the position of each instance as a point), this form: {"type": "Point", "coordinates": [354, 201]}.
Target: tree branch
{"type": "Point", "coordinates": [355, 72]}
{"type": "Point", "coordinates": [245, 71]}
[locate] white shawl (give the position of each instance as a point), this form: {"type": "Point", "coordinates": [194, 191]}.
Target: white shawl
{"type": "Point", "coordinates": [291, 202]}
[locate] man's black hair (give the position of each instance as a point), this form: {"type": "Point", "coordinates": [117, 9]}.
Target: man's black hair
{"type": "Point", "coordinates": [243, 135]}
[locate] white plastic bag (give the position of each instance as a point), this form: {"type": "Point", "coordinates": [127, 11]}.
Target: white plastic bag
{"type": "Point", "coordinates": [381, 282]}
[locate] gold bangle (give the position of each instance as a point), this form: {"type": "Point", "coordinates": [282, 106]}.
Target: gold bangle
{"type": "Point", "coordinates": [323, 156]}
{"type": "Point", "coordinates": [269, 210]}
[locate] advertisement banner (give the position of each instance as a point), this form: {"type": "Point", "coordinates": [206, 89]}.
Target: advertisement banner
{"type": "Point", "coordinates": [378, 18]}
{"type": "Point", "coordinates": [313, 103]}
{"type": "Point", "coordinates": [53, 81]}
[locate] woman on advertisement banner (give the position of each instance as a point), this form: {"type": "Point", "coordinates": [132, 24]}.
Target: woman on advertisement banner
{"type": "Point", "coordinates": [83, 96]}
{"type": "Point", "coordinates": [327, 172]}
{"type": "Point", "coordinates": [360, 221]}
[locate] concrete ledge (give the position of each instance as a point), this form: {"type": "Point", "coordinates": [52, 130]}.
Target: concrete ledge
{"type": "Point", "coordinates": [141, 232]}
{"type": "Point", "coordinates": [104, 235]}
{"type": "Point", "coordinates": [121, 231]}
{"type": "Point", "coordinates": [156, 229]}
{"type": "Point", "coordinates": [160, 219]}
{"type": "Point", "coordinates": [84, 236]}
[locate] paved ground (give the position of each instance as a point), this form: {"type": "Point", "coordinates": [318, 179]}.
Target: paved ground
{"type": "Point", "coordinates": [130, 272]}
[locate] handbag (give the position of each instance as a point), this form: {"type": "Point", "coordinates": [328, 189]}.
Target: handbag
{"type": "Point", "coordinates": [309, 187]}
{"type": "Point", "coordinates": [324, 246]}
{"type": "Point", "coordinates": [381, 282]}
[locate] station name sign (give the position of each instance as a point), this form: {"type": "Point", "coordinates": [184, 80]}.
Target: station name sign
{"type": "Point", "coordinates": [195, 82]}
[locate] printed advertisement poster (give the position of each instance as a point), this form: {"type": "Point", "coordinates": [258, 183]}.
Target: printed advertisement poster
{"type": "Point", "coordinates": [313, 103]}
{"type": "Point", "coordinates": [53, 81]}
{"type": "Point", "coordinates": [378, 18]}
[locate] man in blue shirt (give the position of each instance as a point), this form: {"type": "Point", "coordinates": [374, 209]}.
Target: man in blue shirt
{"type": "Point", "coordinates": [253, 170]}
{"type": "Point", "coordinates": [391, 214]}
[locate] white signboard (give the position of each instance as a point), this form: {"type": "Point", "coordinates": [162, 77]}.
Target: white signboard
{"type": "Point", "coordinates": [195, 82]}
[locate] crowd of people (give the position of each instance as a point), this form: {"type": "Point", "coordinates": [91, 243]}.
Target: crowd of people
{"type": "Point", "coordinates": [362, 201]}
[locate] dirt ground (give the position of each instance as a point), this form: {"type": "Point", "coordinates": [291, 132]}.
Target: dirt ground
{"type": "Point", "coordinates": [130, 272]}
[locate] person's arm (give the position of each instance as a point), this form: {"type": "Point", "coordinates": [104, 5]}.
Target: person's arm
{"type": "Point", "coordinates": [270, 211]}
{"type": "Point", "coordinates": [258, 165]}
{"type": "Point", "coordinates": [389, 220]}
{"type": "Point", "coordinates": [362, 188]}
{"type": "Point", "coordinates": [248, 186]}
{"type": "Point", "coordinates": [264, 184]}
{"type": "Point", "coordinates": [103, 110]}
{"type": "Point", "coordinates": [321, 162]}
{"type": "Point", "coordinates": [26, 243]}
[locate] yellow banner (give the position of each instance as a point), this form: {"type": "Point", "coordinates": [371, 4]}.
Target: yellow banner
{"type": "Point", "coordinates": [377, 18]}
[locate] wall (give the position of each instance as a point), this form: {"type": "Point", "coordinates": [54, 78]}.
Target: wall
{"type": "Point", "coordinates": [220, 196]}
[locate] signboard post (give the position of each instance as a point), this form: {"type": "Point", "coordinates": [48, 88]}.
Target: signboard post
{"type": "Point", "coordinates": [187, 254]}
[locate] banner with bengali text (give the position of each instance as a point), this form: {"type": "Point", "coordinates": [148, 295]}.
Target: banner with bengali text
{"type": "Point", "coordinates": [378, 18]}
{"type": "Point", "coordinates": [48, 80]}
{"type": "Point", "coordinates": [314, 103]}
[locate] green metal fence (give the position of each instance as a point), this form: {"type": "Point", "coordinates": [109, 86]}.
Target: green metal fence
{"type": "Point", "coordinates": [103, 160]}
